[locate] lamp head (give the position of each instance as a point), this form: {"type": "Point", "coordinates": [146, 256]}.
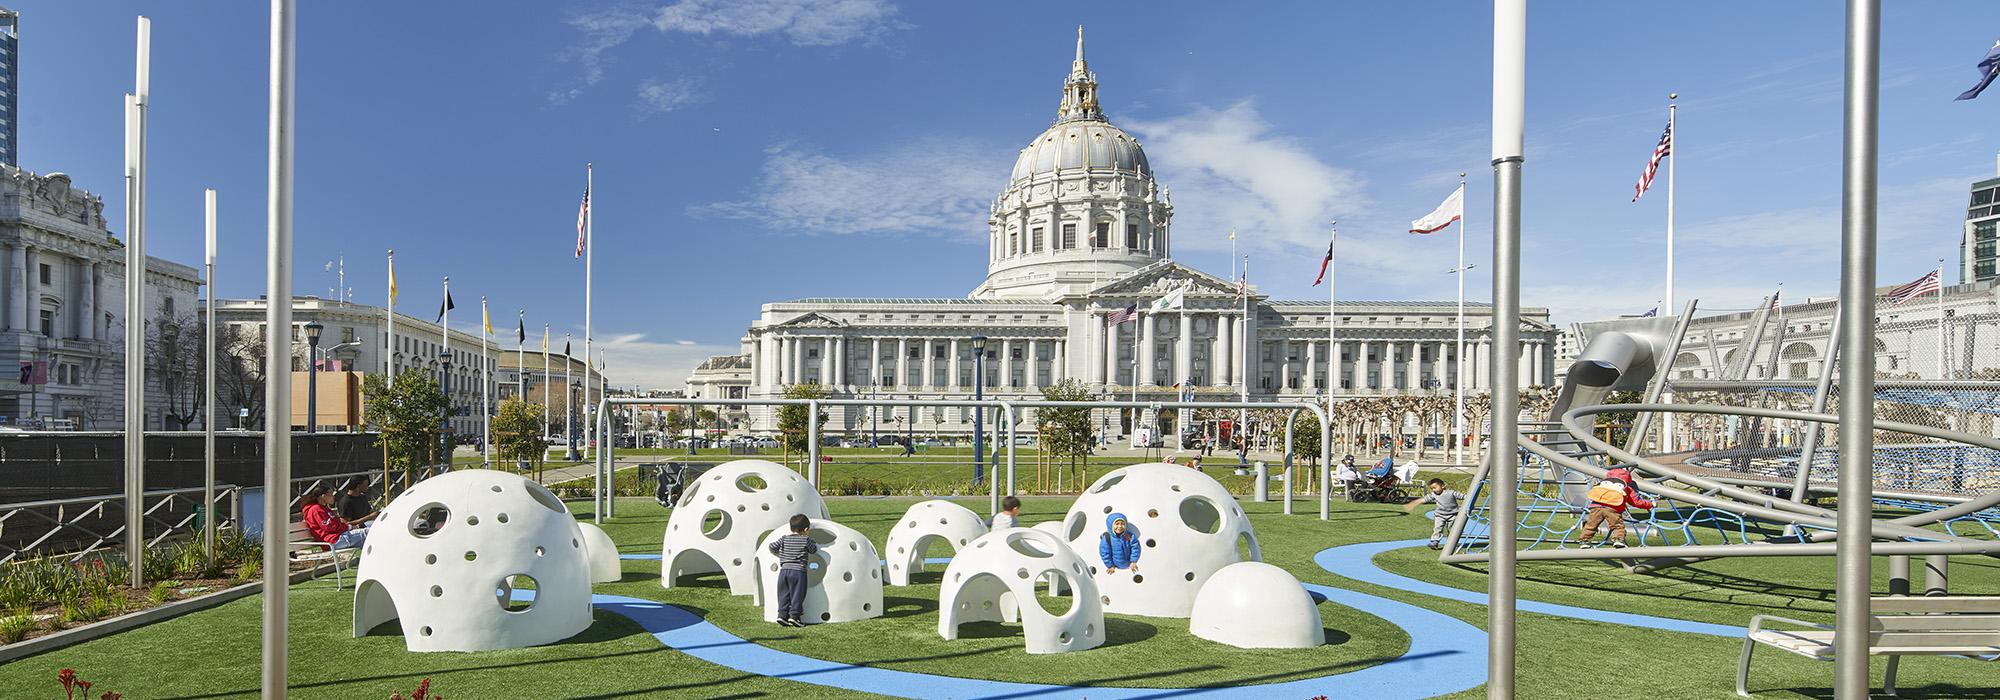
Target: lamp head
{"type": "Point", "coordinates": [313, 329]}
{"type": "Point", "coordinates": [979, 344]}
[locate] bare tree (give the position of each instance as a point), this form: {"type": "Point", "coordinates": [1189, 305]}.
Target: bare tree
{"type": "Point", "coordinates": [173, 356]}
{"type": "Point", "coordinates": [239, 373]}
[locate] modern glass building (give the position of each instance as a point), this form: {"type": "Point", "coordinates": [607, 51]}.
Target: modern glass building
{"type": "Point", "coordinates": [1976, 250]}
{"type": "Point", "coordinates": [10, 82]}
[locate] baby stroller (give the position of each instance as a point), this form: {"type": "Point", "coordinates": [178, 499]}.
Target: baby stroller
{"type": "Point", "coordinates": [673, 481]}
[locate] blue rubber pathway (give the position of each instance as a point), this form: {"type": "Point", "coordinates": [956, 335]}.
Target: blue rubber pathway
{"type": "Point", "coordinates": [1357, 561]}
{"type": "Point", "coordinates": [1446, 655]}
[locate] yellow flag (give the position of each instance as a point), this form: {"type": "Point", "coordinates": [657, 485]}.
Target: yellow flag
{"type": "Point", "coordinates": [545, 339]}
{"type": "Point", "coordinates": [392, 281]}
{"type": "Point", "coordinates": [485, 317]}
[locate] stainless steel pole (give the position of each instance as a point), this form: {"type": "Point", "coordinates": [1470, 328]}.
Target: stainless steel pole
{"type": "Point", "coordinates": [1510, 53]}
{"type": "Point", "coordinates": [1857, 376]}
{"type": "Point", "coordinates": [278, 349]}
{"type": "Point", "coordinates": [1810, 446]}
{"type": "Point", "coordinates": [135, 310]}
{"type": "Point", "coordinates": [208, 383]}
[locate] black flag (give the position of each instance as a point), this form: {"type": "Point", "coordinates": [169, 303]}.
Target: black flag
{"type": "Point", "coordinates": [520, 332]}
{"type": "Point", "coordinates": [446, 306]}
{"type": "Point", "coordinates": [565, 348]}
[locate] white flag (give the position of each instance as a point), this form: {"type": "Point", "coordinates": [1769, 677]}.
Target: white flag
{"type": "Point", "coordinates": [1451, 210]}
{"type": "Point", "coordinates": [1172, 300]}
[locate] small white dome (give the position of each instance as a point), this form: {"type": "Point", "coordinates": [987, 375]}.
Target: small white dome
{"type": "Point", "coordinates": [1255, 605]}
{"type": "Point", "coordinates": [725, 512]}
{"type": "Point", "coordinates": [843, 579]}
{"type": "Point", "coordinates": [1188, 526]}
{"type": "Point", "coordinates": [922, 525]}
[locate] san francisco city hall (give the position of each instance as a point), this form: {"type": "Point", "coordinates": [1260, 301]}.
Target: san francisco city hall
{"type": "Point", "coordinates": [1079, 232]}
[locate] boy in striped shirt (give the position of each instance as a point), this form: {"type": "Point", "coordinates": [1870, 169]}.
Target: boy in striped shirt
{"type": "Point", "coordinates": [792, 551]}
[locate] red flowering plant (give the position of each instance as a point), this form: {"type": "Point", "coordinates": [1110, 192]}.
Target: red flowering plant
{"type": "Point", "coordinates": [423, 692]}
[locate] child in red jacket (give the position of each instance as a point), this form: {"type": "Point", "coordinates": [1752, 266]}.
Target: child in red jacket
{"type": "Point", "coordinates": [1608, 500]}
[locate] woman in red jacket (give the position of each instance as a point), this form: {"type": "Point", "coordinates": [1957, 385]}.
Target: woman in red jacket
{"type": "Point", "coordinates": [325, 525]}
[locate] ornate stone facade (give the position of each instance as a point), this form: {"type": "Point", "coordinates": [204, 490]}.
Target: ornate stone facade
{"type": "Point", "coordinates": [1081, 231]}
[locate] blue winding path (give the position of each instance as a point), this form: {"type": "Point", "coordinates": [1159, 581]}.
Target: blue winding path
{"type": "Point", "coordinates": [1446, 655]}
{"type": "Point", "coordinates": [1357, 561]}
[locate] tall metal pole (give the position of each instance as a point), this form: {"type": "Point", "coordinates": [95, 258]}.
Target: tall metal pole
{"type": "Point", "coordinates": [589, 254]}
{"type": "Point", "coordinates": [1673, 156]}
{"type": "Point", "coordinates": [1510, 59]}
{"type": "Point", "coordinates": [1944, 359]}
{"type": "Point", "coordinates": [1857, 376]}
{"type": "Point", "coordinates": [135, 308]}
{"type": "Point", "coordinates": [1458, 380]}
{"type": "Point", "coordinates": [278, 349]}
{"type": "Point", "coordinates": [389, 335]}
{"type": "Point", "coordinates": [548, 410]}
{"type": "Point", "coordinates": [485, 385]}
{"type": "Point", "coordinates": [978, 413]}
{"type": "Point", "coordinates": [1243, 356]}
{"type": "Point", "coordinates": [1332, 371]}
{"type": "Point", "coordinates": [450, 406]}
{"type": "Point", "coordinates": [569, 399]}
{"type": "Point", "coordinates": [208, 382]}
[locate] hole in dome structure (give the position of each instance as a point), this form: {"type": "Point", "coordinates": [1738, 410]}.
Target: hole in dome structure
{"type": "Point", "coordinates": [1025, 544]}
{"type": "Point", "coordinates": [437, 591]}
{"type": "Point", "coordinates": [1022, 574]}
{"type": "Point", "coordinates": [764, 506]}
{"type": "Point", "coordinates": [736, 562]}
{"type": "Point", "coordinates": [910, 524]}
{"type": "Point", "coordinates": [1201, 515]}
{"type": "Point", "coordinates": [1152, 512]}
{"type": "Point", "coordinates": [425, 630]}
{"type": "Point", "coordinates": [688, 496]}
{"type": "Point", "coordinates": [874, 573]}
{"type": "Point", "coordinates": [867, 607]}
{"type": "Point", "coordinates": [430, 559]}
{"type": "Point", "coordinates": [504, 593]}
{"type": "Point", "coordinates": [471, 555]}
{"type": "Point", "coordinates": [711, 498]}
{"type": "Point", "coordinates": [1089, 631]}
{"type": "Point", "coordinates": [774, 567]}
{"type": "Point", "coordinates": [472, 520]}
{"type": "Point", "coordinates": [502, 518]}
{"type": "Point", "coordinates": [548, 500]}
{"type": "Point", "coordinates": [1176, 488]}
{"type": "Point", "coordinates": [1107, 510]}
{"type": "Point", "coordinates": [1056, 604]}
{"type": "Point", "coordinates": [1108, 481]}
{"type": "Point", "coordinates": [715, 524]}
{"type": "Point", "coordinates": [1074, 527]}
{"type": "Point", "coordinates": [1105, 599]}
{"type": "Point", "coordinates": [821, 537]}
{"type": "Point", "coordinates": [1247, 548]}
{"type": "Point", "coordinates": [985, 605]}
{"type": "Point", "coordinates": [573, 544]}
{"type": "Point", "coordinates": [541, 552]}
{"type": "Point", "coordinates": [854, 546]}
{"type": "Point", "coordinates": [429, 519]}
{"type": "Point", "coordinates": [369, 550]}
{"type": "Point", "coordinates": [1064, 638]}
{"type": "Point", "coordinates": [1093, 569]}
{"type": "Point", "coordinates": [847, 576]}
{"type": "Point", "coordinates": [1136, 578]}
{"type": "Point", "coordinates": [1149, 543]}
{"type": "Point", "coordinates": [742, 508]}
{"type": "Point", "coordinates": [790, 497]}
{"type": "Point", "coordinates": [751, 483]}
{"type": "Point", "coordinates": [942, 521]}
{"type": "Point", "coordinates": [1189, 576]}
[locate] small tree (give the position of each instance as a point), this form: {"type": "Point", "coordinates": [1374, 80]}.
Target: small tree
{"type": "Point", "coordinates": [517, 434]}
{"type": "Point", "coordinates": [792, 419]}
{"type": "Point", "coordinates": [174, 358]}
{"type": "Point", "coordinates": [409, 413]}
{"type": "Point", "coordinates": [239, 373]}
{"type": "Point", "coordinates": [1065, 432]}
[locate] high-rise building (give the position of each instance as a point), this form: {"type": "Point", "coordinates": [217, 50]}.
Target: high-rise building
{"type": "Point", "coordinates": [10, 86]}
{"type": "Point", "coordinates": [1978, 260]}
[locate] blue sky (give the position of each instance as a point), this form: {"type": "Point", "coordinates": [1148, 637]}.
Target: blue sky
{"type": "Point", "coordinates": [772, 149]}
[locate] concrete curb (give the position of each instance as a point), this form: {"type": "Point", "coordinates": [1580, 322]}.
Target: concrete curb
{"type": "Point", "coordinates": [105, 628]}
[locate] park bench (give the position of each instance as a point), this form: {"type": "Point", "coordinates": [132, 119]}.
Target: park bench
{"type": "Point", "coordinates": [304, 547]}
{"type": "Point", "coordinates": [1897, 626]}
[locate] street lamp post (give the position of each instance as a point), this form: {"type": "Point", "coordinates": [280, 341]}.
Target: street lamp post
{"type": "Point", "coordinates": [313, 329]}
{"type": "Point", "coordinates": [446, 385]}
{"type": "Point", "coordinates": [978, 412]}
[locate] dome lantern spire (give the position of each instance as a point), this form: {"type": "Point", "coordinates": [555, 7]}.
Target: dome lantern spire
{"type": "Point", "coordinates": [1079, 89]}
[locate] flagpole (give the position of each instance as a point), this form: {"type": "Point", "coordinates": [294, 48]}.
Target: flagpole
{"type": "Point", "coordinates": [1458, 380]}
{"type": "Point", "coordinates": [521, 354]}
{"type": "Point", "coordinates": [449, 407]}
{"type": "Point", "coordinates": [569, 399]}
{"type": "Point", "coordinates": [547, 412]}
{"type": "Point", "coordinates": [389, 355]}
{"type": "Point", "coordinates": [1944, 366]}
{"type": "Point", "coordinates": [589, 256]}
{"type": "Point", "coordinates": [1673, 156]}
{"type": "Point", "coordinates": [485, 386]}
{"type": "Point", "coordinates": [1243, 341]}
{"type": "Point", "coordinates": [1333, 362]}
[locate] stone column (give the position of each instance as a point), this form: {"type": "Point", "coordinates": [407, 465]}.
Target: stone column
{"type": "Point", "coordinates": [1111, 341]}
{"type": "Point", "coordinates": [1146, 359]}
{"type": "Point", "coordinates": [826, 361]}
{"type": "Point", "coordinates": [87, 292]}
{"type": "Point", "coordinates": [1388, 365]}
{"type": "Point", "coordinates": [1412, 374]}
{"type": "Point", "coordinates": [1359, 376]}
{"type": "Point", "coordinates": [875, 362]}
{"type": "Point", "coordinates": [951, 366]}
{"type": "Point", "coordinates": [1312, 365]}
{"type": "Point", "coordinates": [1246, 367]}
{"type": "Point", "coordinates": [1058, 360]}
{"type": "Point", "coordinates": [30, 286]}
{"type": "Point", "coordinates": [1007, 363]}
{"type": "Point", "coordinates": [1031, 378]}
{"type": "Point", "coordinates": [17, 268]}
{"type": "Point", "coordinates": [767, 361]}
{"type": "Point", "coordinates": [903, 363]}
{"type": "Point", "coordinates": [929, 362]}
{"type": "Point", "coordinates": [1438, 364]}
{"type": "Point", "coordinates": [1220, 351]}
{"type": "Point", "coordinates": [1184, 350]}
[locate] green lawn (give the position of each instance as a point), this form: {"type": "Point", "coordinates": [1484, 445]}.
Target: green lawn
{"type": "Point", "coordinates": [213, 654]}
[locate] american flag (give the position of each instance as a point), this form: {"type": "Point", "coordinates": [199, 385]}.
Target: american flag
{"type": "Point", "coordinates": [1664, 149]}
{"type": "Point", "coordinates": [1130, 314]}
{"type": "Point", "coordinates": [1927, 284]}
{"type": "Point", "coordinates": [583, 222]}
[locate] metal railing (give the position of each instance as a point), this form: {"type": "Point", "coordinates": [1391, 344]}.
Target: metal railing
{"type": "Point", "coordinates": [72, 525]}
{"type": "Point", "coordinates": [1006, 411]}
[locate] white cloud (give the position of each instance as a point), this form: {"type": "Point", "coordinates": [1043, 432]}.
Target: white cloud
{"type": "Point", "coordinates": [662, 96]}
{"type": "Point", "coordinates": [630, 358]}
{"type": "Point", "coordinates": [802, 22]}
{"type": "Point", "coordinates": [1915, 211]}
{"type": "Point", "coordinates": [1233, 172]}
{"type": "Point", "coordinates": [933, 187]}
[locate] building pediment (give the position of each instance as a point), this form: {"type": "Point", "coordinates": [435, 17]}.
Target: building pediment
{"type": "Point", "coordinates": [1162, 277]}
{"type": "Point", "coordinates": [814, 320]}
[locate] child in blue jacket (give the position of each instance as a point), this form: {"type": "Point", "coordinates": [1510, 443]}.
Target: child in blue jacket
{"type": "Point", "coordinates": [1120, 547]}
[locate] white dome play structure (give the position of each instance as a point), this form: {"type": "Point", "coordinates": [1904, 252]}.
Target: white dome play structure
{"type": "Point", "coordinates": [1255, 605]}
{"type": "Point", "coordinates": [843, 579]}
{"type": "Point", "coordinates": [1189, 527]}
{"type": "Point", "coordinates": [446, 556]}
{"type": "Point", "coordinates": [994, 579]}
{"type": "Point", "coordinates": [602, 554]}
{"type": "Point", "coordinates": [923, 525]}
{"type": "Point", "coordinates": [1053, 527]}
{"type": "Point", "coordinates": [724, 514]}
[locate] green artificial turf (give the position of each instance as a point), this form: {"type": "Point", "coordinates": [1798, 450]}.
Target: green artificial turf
{"type": "Point", "coordinates": [214, 653]}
